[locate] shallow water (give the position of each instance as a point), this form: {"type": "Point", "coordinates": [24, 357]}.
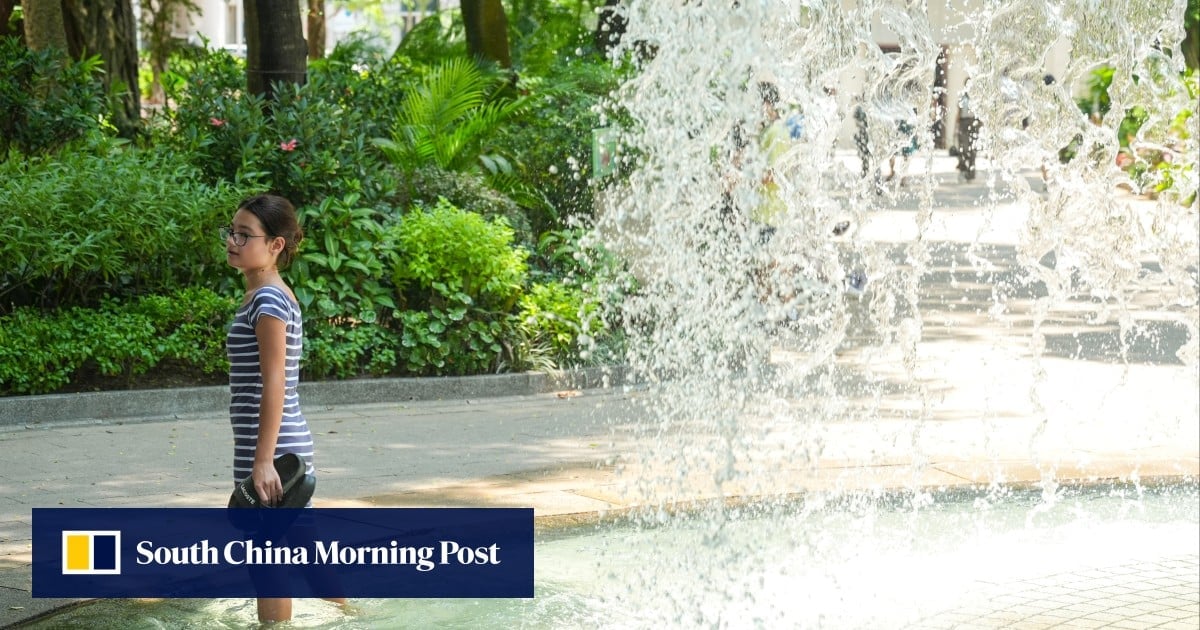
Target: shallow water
{"type": "Point", "coordinates": [862, 562]}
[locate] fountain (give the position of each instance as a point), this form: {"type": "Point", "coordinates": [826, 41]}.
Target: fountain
{"type": "Point", "coordinates": [1012, 330]}
{"type": "Point", "coordinates": [1002, 401]}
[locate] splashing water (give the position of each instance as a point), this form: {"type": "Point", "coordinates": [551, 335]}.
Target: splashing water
{"type": "Point", "coordinates": [750, 229]}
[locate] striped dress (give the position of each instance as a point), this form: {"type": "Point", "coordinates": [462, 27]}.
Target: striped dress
{"type": "Point", "coordinates": [245, 381]}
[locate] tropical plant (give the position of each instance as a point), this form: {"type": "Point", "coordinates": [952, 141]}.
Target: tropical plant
{"type": "Point", "coordinates": [444, 251]}
{"type": "Point", "coordinates": [448, 120]}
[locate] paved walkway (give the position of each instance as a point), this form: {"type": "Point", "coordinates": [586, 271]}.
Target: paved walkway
{"type": "Point", "coordinates": [972, 408]}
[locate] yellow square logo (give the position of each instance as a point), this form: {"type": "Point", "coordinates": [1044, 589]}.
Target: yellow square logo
{"type": "Point", "coordinates": [91, 552]}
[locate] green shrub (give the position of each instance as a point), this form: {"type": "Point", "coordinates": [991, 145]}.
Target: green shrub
{"type": "Point", "coordinates": [552, 142]}
{"type": "Point", "coordinates": [444, 251]}
{"type": "Point", "coordinates": [454, 338]}
{"type": "Point", "coordinates": [340, 273]}
{"type": "Point", "coordinates": [41, 352]}
{"type": "Point", "coordinates": [552, 316]}
{"type": "Point", "coordinates": [46, 100]}
{"type": "Point", "coordinates": [469, 191]}
{"type": "Point", "coordinates": [310, 144]}
{"type": "Point", "coordinates": [348, 350]}
{"type": "Point", "coordinates": [105, 219]}
{"type": "Point", "coordinates": [459, 279]}
{"type": "Point", "coordinates": [357, 74]}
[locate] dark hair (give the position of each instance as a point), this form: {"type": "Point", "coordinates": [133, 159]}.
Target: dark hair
{"type": "Point", "coordinates": [278, 218]}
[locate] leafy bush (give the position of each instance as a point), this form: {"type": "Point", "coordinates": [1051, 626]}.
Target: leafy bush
{"type": "Point", "coordinates": [46, 100]}
{"type": "Point", "coordinates": [308, 145]}
{"type": "Point", "coordinates": [41, 353]}
{"type": "Point", "coordinates": [340, 273]}
{"type": "Point", "coordinates": [348, 350]}
{"type": "Point", "coordinates": [459, 279]}
{"type": "Point", "coordinates": [426, 186]}
{"type": "Point", "coordinates": [453, 338]}
{"type": "Point", "coordinates": [553, 315]}
{"type": "Point", "coordinates": [104, 219]}
{"type": "Point", "coordinates": [444, 251]}
{"type": "Point", "coordinates": [358, 75]}
{"type": "Point", "coordinates": [553, 142]}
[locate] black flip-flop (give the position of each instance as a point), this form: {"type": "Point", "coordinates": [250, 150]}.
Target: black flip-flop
{"type": "Point", "coordinates": [298, 487]}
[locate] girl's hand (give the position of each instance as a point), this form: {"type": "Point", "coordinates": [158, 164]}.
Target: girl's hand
{"type": "Point", "coordinates": [267, 483]}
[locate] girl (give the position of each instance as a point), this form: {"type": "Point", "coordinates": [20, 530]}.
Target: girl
{"type": "Point", "coordinates": [264, 345]}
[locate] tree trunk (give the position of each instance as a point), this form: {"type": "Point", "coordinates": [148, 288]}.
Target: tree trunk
{"type": "Point", "coordinates": [275, 48]}
{"type": "Point", "coordinates": [1191, 29]}
{"type": "Point", "coordinates": [44, 24]}
{"type": "Point", "coordinates": [487, 31]}
{"type": "Point", "coordinates": [107, 28]}
{"type": "Point", "coordinates": [316, 29]}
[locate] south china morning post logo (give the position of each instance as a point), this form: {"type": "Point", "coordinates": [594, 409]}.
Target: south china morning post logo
{"type": "Point", "coordinates": [251, 552]}
{"type": "Point", "coordinates": [91, 552]}
{"type": "Point", "coordinates": [314, 552]}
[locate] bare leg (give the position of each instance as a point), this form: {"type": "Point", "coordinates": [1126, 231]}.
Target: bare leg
{"type": "Point", "coordinates": [274, 609]}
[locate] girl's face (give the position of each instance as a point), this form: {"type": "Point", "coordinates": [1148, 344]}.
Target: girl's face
{"type": "Point", "coordinates": [259, 251]}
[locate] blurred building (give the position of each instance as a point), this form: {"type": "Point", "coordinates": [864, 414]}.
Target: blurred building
{"type": "Point", "coordinates": [220, 21]}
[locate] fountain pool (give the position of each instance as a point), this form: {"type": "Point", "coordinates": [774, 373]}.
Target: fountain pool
{"type": "Point", "coordinates": [988, 559]}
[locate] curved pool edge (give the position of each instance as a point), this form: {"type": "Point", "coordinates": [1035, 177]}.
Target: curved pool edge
{"type": "Point", "coordinates": [556, 523]}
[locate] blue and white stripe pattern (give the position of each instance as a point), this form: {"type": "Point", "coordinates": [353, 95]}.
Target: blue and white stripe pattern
{"type": "Point", "coordinates": [245, 381]}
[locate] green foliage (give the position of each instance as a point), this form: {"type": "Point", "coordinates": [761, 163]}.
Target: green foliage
{"type": "Point", "coordinates": [357, 75]}
{"type": "Point", "coordinates": [444, 251]}
{"type": "Point", "coordinates": [308, 145]}
{"type": "Point", "coordinates": [340, 274]}
{"type": "Point", "coordinates": [448, 119]}
{"type": "Point", "coordinates": [470, 191]}
{"type": "Point", "coordinates": [1135, 117]}
{"type": "Point", "coordinates": [439, 290]}
{"type": "Point", "coordinates": [453, 338]}
{"type": "Point", "coordinates": [542, 31]}
{"type": "Point", "coordinates": [46, 100]}
{"type": "Point", "coordinates": [433, 40]}
{"type": "Point", "coordinates": [105, 219]}
{"type": "Point", "coordinates": [1159, 162]}
{"type": "Point", "coordinates": [553, 315]}
{"type": "Point", "coordinates": [459, 279]}
{"type": "Point", "coordinates": [41, 353]}
{"type": "Point", "coordinates": [553, 141]}
{"type": "Point", "coordinates": [348, 349]}
{"type": "Point", "coordinates": [1096, 102]}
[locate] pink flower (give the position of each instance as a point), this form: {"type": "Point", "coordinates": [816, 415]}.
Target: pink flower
{"type": "Point", "coordinates": [1124, 160]}
{"type": "Point", "coordinates": [216, 122]}
{"type": "Point", "coordinates": [290, 145]}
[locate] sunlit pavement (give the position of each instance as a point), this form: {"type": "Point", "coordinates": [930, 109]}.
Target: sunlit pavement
{"type": "Point", "coordinates": [973, 406]}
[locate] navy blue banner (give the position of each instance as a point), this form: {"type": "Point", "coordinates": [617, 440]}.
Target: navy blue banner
{"type": "Point", "coordinates": [361, 552]}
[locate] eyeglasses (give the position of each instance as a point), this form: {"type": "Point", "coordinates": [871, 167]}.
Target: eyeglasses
{"type": "Point", "coordinates": [239, 238]}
